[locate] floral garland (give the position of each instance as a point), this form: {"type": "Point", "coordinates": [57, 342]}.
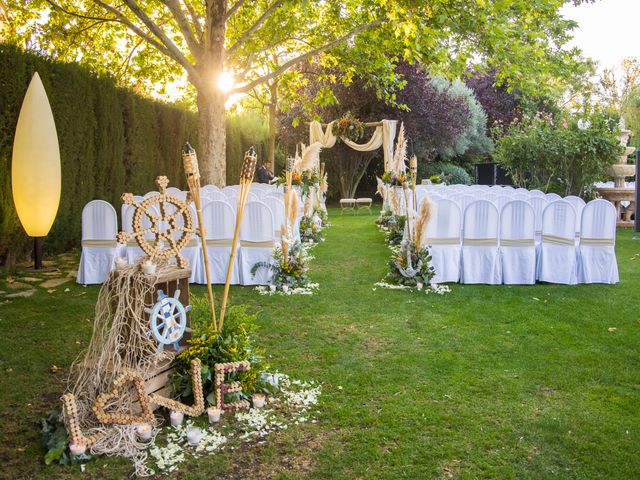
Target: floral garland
{"type": "Point", "coordinates": [305, 180]}
{"type": "Point", "coordinates": [348, 127]}
{"type": "Point", "coordinates": [311, 228]}
{"type": "Point", "coordinates": [409, 266]}
{"type": "Point", "coordinates": [289, 265]}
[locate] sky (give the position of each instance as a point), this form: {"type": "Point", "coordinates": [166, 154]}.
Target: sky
{"type": "Point", "coordinates": [608, 31]}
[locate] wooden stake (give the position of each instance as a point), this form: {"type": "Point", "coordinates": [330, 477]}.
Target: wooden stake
{"type": "Point", "coordinates": [191, 170]}
{"type": "Point", "coordinates": [246, 177]}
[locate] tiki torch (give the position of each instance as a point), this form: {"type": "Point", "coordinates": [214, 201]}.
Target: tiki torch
{"type": "Point", "coordinates": [246, 177]}
{"type": "Point", "coordinates": [191, 170]}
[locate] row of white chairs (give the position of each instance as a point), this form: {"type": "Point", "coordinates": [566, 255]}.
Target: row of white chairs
{"type": "Point", "coordinates": [259, 231]}
{"type": "Point", "coordinates": [485, 245]}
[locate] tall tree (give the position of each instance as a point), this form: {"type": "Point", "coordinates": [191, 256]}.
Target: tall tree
{"type": "Point", "coordinates": [203, 39]}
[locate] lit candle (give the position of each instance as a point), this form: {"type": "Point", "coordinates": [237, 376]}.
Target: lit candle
{"type": "Point", "coordinates": [121, 263]}
{"type": "Point", "coordinates": [77, 449]}
{"type": "Point", "coordinates": [193, 436]}
{"type": "Point", "coordinates": [148, 267]}
{"type": "Point", "coordinates": [144, 431]}
{"type": "Point", "coordinates": [214, 414]}
{"type": "Point", "coordinates": [176, 418]}
{"type": "Point", "coordinates": [258, 400]}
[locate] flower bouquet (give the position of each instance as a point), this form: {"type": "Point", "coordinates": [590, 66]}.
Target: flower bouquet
{"type": "Point", "coordinates": [348, 127]}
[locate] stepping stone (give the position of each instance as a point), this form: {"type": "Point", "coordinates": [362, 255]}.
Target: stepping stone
{"type": "Point", "coordinates": [22, 294]}
{"type": "Point", "coordinates": [30, 279]}
{"type": "Point", "coordinates": [54, 282]}
{"type": "Point", "coordinates": [2, 292]}
{"type": "Point", "coordinates": [72, 273]}
{"type": "Point", "coordinates": [17, 285]}
{"type": "Point", "coordinates": [51, 274]}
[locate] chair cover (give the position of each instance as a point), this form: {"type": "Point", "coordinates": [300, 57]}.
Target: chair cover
{"type": "Point", "coordinates": [578, 204]}
{"type": "Point", "coordinates": [552, 197]}
{"type": "Point", "coordinates": [536, 193]}
{"type": "Point", "coordinates": [277, 209]}
{"type": "Point", "coordinates": [539, 204]}
{"type": "Point", "coordinates": [557, 261]}
{"type": "Point", "coordinates": [132, 251]}
{"type": "Point", "coordinates": [443, 241]}
{"type": "Point", "coordinates": [219, 221]}
{"type": "Point", "coordinates": [99, 247]}
{"type": "Point", "coordinates": [192, 251]}
{"type": "Point", "coordinates": [480, 253]}
{"type": "Point", "coordinates": [597, 256]}
{"type": "Point", "coordinates": [517, 243]}
{"type": "Point", "coordinates": [256, 242]}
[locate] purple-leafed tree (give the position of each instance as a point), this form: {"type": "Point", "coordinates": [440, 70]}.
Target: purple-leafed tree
{"type": "Point", "coordinates": [500, 105]}
{"type": "Point", "coordinates": [433, 118]}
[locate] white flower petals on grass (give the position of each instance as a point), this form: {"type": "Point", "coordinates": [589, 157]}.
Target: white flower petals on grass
{"type": "Point", "coordinates": [308, 290]}
{"type": "Point", "coordinates": [433, 288]}
{"type": "Point", "coordinates": [291, 405]}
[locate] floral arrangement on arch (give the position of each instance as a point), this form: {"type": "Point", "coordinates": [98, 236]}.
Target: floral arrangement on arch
{"type": "Point", "coordinates": [348, 127]}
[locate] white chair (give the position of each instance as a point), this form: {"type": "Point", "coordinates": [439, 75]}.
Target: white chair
{"type": "Point", "coordinates": [99, 247]}
{"type": "Point", "coordinates": [521, 196]}
{"type": "Point", "coordinates": [539, 204]}
{"type": "Point", "coordinates": [597, 256]}
{"type": "Point", "coordinates": [150, 194]}
{"type": "Point", "coordinates": [443, 241]}
{"type": "Point", "coordinates": [552, 197]}
{"type": "Point", "coordinates": [277, 209]}
{"type": "Point", "coordinates": [191, 251]}
{"type": "Point", "coordinates": [256, 243]}
{"type": "Point", "coordinates": [132, 251]}
{"type": "Point", "coordinates": [216, 196]}
{"type": "Point", "coordinates": [508, 190]}
{"type": "Point", "coordinates": [522, 191]}
{"type": "Point", "coordinates": [502, 200]}
{"type": "Point", "coordinates": [465, 201]}
{"type": "Point", "coordinates": [517, 243]}
{"type": "Point", "coordinates": [578, 204]}
{"type": "Point", "coordinates": [176, 192]}
{"type": "Point", "coordinates": [219, 221]}
{"type": "Point", "coordinates": [480, 253]}
{"type": "Point", "coordinates": [209, 189]}
{"type": "Point", "coordinates": [557, 261]}
{"type": "Point", "coordinates": [536, 193]}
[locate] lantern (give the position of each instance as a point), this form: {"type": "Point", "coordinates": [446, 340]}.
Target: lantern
{"type": "Point", "coordinates": [35, 168]}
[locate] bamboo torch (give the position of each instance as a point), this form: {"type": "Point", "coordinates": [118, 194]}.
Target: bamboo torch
{"type": "Point", "coordinates": [246, 177]}
{"type": "Point", "coordinates": [192, 172]}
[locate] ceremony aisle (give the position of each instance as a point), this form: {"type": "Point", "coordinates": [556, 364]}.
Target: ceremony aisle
{"type": "Point", "coordinates": [487, 381]}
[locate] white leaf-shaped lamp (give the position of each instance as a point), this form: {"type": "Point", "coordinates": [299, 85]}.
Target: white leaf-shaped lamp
{"type": "Point", "coordinates": [36, 177]}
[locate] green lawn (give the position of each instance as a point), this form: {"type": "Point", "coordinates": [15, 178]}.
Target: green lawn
{"type": "Point", "coordinates": [485, 382]}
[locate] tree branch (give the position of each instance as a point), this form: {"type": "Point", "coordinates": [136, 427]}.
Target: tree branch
{"type": "Point", "coordinates": [195, 19]}
{"type": "Point", "coordinates": [233, 9]}
{"type": "Point", "coordinates": [246, 35]}
{"type": "Point", "coordinates": [120, 18]}
{"type": "Point", "coordinates": [174, 51]}
{"type": "Point", "coordinates": [287, 65]}
{"type": "Point", "coordinates": [183, 25]}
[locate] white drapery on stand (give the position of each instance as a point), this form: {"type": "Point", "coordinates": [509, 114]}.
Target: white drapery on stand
{"type": "Point", "coordinates": [383, 136]}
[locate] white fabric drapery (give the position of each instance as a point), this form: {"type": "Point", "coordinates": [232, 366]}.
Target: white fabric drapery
{"type": "Point", "coordinates": [383, 136]}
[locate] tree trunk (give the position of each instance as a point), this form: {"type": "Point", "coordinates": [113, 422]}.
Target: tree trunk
{"type": "Point", "coordinates": [211, 98]}
{"type": "Point", "coordinates": [273, 123]}
{"type": "Point", "coordinates": [212, 139]}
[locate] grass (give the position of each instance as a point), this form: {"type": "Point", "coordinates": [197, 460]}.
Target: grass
{"type": "Point", "coordinates": [485, 382]}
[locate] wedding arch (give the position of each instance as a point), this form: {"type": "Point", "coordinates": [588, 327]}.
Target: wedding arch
{"type": "Point", "coordinates": [383, 136]}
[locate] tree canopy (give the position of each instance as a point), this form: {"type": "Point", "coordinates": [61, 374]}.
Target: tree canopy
{"type": "Point", "coordinates": [146, 44]}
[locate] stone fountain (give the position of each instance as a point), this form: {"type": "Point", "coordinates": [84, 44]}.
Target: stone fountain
{"type": "Point", "coordinates": [620, 192]}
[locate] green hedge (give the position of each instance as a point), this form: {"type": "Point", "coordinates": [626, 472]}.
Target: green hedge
{"type": "Point", "coordinates": [111, 141]}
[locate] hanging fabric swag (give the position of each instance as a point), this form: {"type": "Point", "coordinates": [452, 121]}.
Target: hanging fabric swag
{"type": "Point", "coordinates": [383, 136]}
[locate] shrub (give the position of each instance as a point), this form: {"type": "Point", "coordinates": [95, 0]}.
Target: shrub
{"type": "Point", "coordinates": [567, 154]}
{"type": "Point", "coordinates": [446, 172]}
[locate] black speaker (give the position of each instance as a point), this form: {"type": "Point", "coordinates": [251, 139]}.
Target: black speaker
{"type": "Point", "coordinates": [486, 173]}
